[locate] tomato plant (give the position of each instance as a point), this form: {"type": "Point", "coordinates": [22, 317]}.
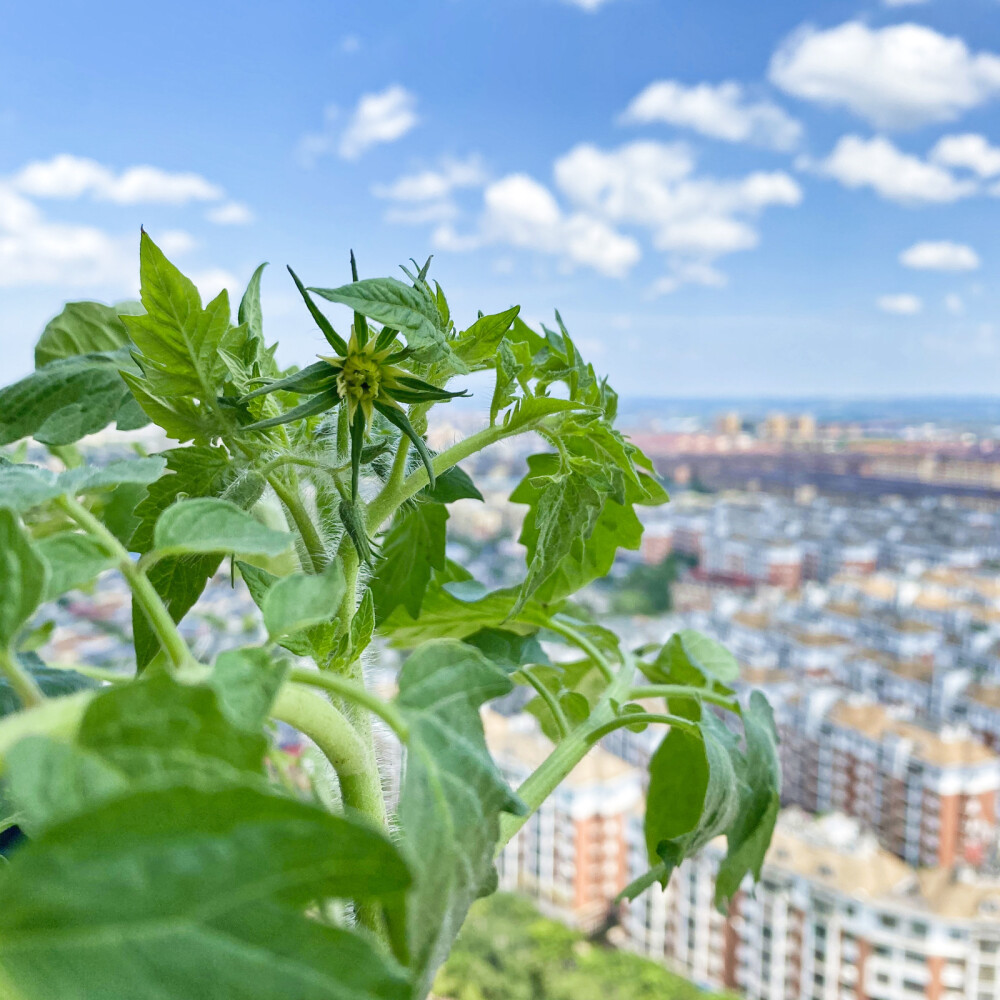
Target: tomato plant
{"type": "Point", "coordinates": [163, 856]}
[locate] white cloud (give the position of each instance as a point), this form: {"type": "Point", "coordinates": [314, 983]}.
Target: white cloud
{"type": "Point", "coordinates": [721, 111]}
{"type": "Point", "coordinates": [942, 255]}
{"type": "Point", "coordinates": [954, 304]}
{"type": "Point", "coordinates": [231, 213]}
{"type": "Point", "coordinates": [432, 185]}
{"type": "Point", "coordinates": [969, 151]}
{"type": "Point", "coordinates": [378, 118]}
{"type": "Point", "coordinates": [433, 211]}
{"type": "Point", "coordinates": [901, 76]}
{"type": "Point", "coordinates": [350, 44]}
{"type": "Point", "coordinates": [876, 163]}
{"type": "Point", "coordinates": [67, 176]}
{"type": "Point", "coordinates": [520, 212]}
{"type": "Point", "coordinates": [687, 273]}
{"type": "Point", "coordinates": [900, 305]}
{"type": "Point", "coordinates": [695, 219]}
{"type": "Point", "coordinates": [904, 3]}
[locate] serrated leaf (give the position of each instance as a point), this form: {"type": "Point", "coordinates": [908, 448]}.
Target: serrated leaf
{"type": "Point", "coordinates": [208, 524]}
{"type": "Point", "coordinates": [81, 328]}
{"type": "Point", "coordinates": [246, 682]}
{"type": "Point", "coordinates": [73, 560]}
{"type": "Point", "coordinates": [25, 577]}
{"type": "Point", "coordinates": [92, 478]}
{"type": "Point", "coordinates": [301, 600]}
{"type": "Point", "coordinates": [508, 650]}
{"type": "Point", "coordinates": [66, 399]}
{"type": "Point", "coordinates": [451, 796]}
{"type": "Point", "coordinates": [180, 418]}
{"type": "Point", "coordinates": [412, 548]}
{"type": "Point", "coordinates": [482, 340]}
{"type": "Point", "coordinates": [505, 389]}
{"type": "Point", "coordinates": [179, 342]}
{"type": "Point", "coordinates": [184, 892]}
{"type": "Point", "coordinates": [249, 313]}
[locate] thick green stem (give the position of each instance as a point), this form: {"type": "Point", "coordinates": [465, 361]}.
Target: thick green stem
{"type": "Point", "coordinates": [357, 694]}
{"type": "Point", "coordinates": [398, 471]}
{"type": "Point", "coordinates": [142, 590]}
{"type": "Point", "coordinates": [684, 691]}
{"type": "Point", "coordinates": [29, 693]}
{"type": "Point", "coordinates": [315, 551]}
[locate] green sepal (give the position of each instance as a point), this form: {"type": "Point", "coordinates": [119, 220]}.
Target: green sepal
{"type": "Point", "coordinates": [357, 445]}
{"type": "Point", "coordinates": [333, 338]}
{"type": "Point", "coordinates": [314, 378]}
{"type": "Point", "coordinates": [360, 323]}
{"type": "Point", "coordinates": [385, 338]}
{"type": "Point", "coordinates": [400, 420]}
{"type": "Point", "coordinates": [318, 404]}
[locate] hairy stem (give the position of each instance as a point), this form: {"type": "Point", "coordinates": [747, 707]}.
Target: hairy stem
{"type": "Point", "coordinates": [143, 591]}
{"type": "Point", "coordinates": [642, 717]}
{"type": "Point", "coordinates": [315, 551]}
{"type": "Point", "coordinates": [29, 693]}
{"type": "Point", "coordinates": [356, 693]}
{"type": "Point", "coordinates": [398, 471]}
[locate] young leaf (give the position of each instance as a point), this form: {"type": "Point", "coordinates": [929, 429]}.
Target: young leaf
{"type": "Point", "coordinates": [178, 340]}
{"type": "Point", "coordinates": [25, 577]}
{"type": "Point", "coordinates": [452, 794]}
{"type": "Point", "coordinates": [412, 548]}
{"type": "Point", "coordinates": [298, 601]}
{"type": "Point", "coordinates": [246, 682]}
{"type": "Point", "coordinates": [688, 657]}
{"type": "Point", "coordinates": [249, 313]}
{"type": "Point", "coordinates": [73, 560]}
{"type": "Point", "coordinates": [208, 524]}
{"type": "Point", "coordinates": [482, 340]}
{"type": "Point", "coordinates": [363, 625]}
{"type": "Point", "coordinates": [455, 484]}
{"type": "Point", "coordinates": [83, 328]}
{"type": "Point", "coordinates": [190, 892]}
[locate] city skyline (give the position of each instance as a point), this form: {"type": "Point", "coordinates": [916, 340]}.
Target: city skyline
{"type": "Point", "coordinates": [742, 206]}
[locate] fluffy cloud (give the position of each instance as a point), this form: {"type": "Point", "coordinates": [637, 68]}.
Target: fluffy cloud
{"type": "Point", "coordinates": [695, 219]}
{"type": "Point", "coordinates": [587, 5]}
{"type": "Point", "coordinates": [432, 185]}
{"type": "Point", "coordinates": [378, 118]}
{"type": "Point", "coordinates": [900, 305]}
{"type": "Point", "coordinates": [893, 174]}
{"type": "Point", "coordinates": [231, 213]}
{"type": "Point", "coordinates": [969, 152]}
{"type": "Point", "coordinates": [67, 176]}
{"type": "Point", "coordinates": [721, 111]}
{"type": "Point", "coordinates": [521, 212]}
{"type": "Point", "coordinates": [940, 256]}
{"type": "Point", "coordinates": [954, 304]}
{"type": "Point", "coordinates": [901, 76]}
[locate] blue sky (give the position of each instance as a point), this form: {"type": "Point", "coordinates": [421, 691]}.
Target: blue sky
{"type": "Point", "coordinates": [722, 198]}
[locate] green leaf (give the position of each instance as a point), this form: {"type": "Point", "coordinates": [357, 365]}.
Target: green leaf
{"type": "Point", "coordinates": [179, 341]}
{"type": "Point", "coordinates": [505, 390]}
{"type": "Point", "coordinates": [52, 682]}
{"type": "Point", "coordinates": [81, 328]}
{"type": "Point", "coordinates": [187, 892]}
{"type": "Point", "coordinates": [398, 305]}
{"type": "Point", "coordinates": [749, 835]}
{"type": "Point", "coordinates": [506, 649]}
{"type": "Point", "coordinates": [451, 796]}
{"type": "Point", "coordinates": [688, 657]}
{"type": "Point", "coordinates": [246, 682]}
{"type": "Point", "coordinates": [455, 484]}
{"type": "Point", "coordinates": [363, 625]}
{"type": "Point", "coordinates": [301, 600]}
{"type": "Point", "coordinates": [249, 313]}
{"type": "Point", "coordinates": [482, 340]}
{"type": "Point", "coordinates": [25, 577]}
{"type": "Point", "coordinates": [313, 641]}
{"type": "Point", "coordinates": [181, 419]}
{"type": "Point", "coordinates": [66, 399]}
{"type": "Point", "coordinates": [25, 486]}
{"type": "Point", "coordinates": [73, 560]}
{"type": "Point", "coordinates": [412, 548]}
{"type": "Point", "coordinates": [179, 580]}
{"type": "Point", "coordinates": [208, 524]}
